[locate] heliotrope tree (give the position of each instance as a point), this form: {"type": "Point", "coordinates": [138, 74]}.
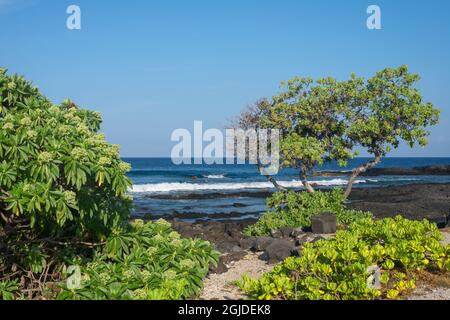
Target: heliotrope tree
{"type": "Point", "coordinates": [308, 114]}
{"type": "Point", "coordinates": [328, 120]}
{"type": "Point", "coordinates": [387, 109]}
{"type": "Point", "coordinates": [58, 175]}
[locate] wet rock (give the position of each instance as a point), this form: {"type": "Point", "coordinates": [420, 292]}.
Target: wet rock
{"type": "Point", "coordinates": [279, 250]}
{"type": "Point", "coordinates": [262, 243]}
{"type": "Point", "coordinates": [324, 223]}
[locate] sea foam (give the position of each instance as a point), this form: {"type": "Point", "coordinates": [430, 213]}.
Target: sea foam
{"type": "Point", "coordinates": [176, 186]}
{"type": "Point", "coordinates": [215, 176]}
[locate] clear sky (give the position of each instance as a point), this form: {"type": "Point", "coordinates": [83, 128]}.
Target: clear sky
{"type": "Point", "coordinates": [153, 66]}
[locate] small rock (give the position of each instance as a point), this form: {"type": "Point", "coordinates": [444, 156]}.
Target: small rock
{"type": "Point", "coordinates": [236, 249]}
{"type": "Point", "coordinates": [297, 232]}
{"type": "Point", "coordinates": [440, 221]}
{"type": "Point", "coordinates": [315, 239]}
{"type": "Point", "coordinates": [324, 223]}
{"type": "Point", "coordinates": [220, 268]}
{"type": "Point", "coordinates": [232, 257]}
{"type": "Point", "coordinates": [276, 234]}
{"type": "Point", "coordinates": [227, 246]}
{"type": "Point", "coordinates": [262, 243]}
{"type": "Point", "coordinates": [239, 205]}
{"type": "Point", "coordinates": [286, 231]}
{"type": "Point", "coordinates": [232, 231]}
{"type": "Point", "coordinates": [248, 243]}
{"type": "Point", "coordinates": [279, 250]}
{"type": "Point", "coordinates": [297, 252]}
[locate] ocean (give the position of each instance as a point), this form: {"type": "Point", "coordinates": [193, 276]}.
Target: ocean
{"type": "Point", "coordinates": [232, 192]}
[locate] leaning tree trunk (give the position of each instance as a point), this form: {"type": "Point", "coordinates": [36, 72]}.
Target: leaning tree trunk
{"type": "Point", "coordinates": [360, 170]}
{"type": "Point", "coordinates": [272, 180]}
{"type": "Point", "coordinates": [304, 179]}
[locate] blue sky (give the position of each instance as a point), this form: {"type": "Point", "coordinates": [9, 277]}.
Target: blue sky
{"type": "Point", "coordinates": [153, 66]}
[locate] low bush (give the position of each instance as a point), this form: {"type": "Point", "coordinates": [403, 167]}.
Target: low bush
{"type": "Point", "coordinates": [295, 209]}
{"type": "Point", "coordinates": [339, 268]}
{"type": "Point", "coordinates": [147, 262]}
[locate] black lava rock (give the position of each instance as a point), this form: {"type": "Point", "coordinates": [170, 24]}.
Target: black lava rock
{"type": "Point", "coordinates": [279, 250]}
{"type": "Point", "coordinates": [248, 243]}
{"type": "Point", "coordinates": [297, 232]}
{"type": "Point", "coordinates": [228, 246]}
{"type": "Point", "coordinates": [286, 231]}
{"type": "Point", "coordinates": [262, 243]}
{"type": "Point", "coordinates": [324, 223]}
{"type": "Point", "coordinates": [276, 234]}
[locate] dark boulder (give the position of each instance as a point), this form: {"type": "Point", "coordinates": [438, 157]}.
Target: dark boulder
{"type": "Point", "coordinates": [262, 243]}
{"type": "Point", "coordinates": [286, 231]}
{"type": "Point", "coordinates": [247, 243]}
{"type": "Point", "coordinates": [324, 223]}
{"type": "Point", "coordinates": [234, 256]}
{"type": "Point", "coordinates": [299, 242]}
{"type": "Point", "coordinates": [315, 239]}
{"type": "Point", "coordinates": [297, 232]}
{"type": "Point", "coordinates": [276, 234]}
{"type": "Point", "coordinates": [228, 246]}
{"type": "Point", "coordinates": [279, 250]}
{"type": "Point", "coordinates": [220, 268]}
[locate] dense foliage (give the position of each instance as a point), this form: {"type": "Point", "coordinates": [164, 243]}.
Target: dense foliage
{"type": "Point", "coordinates": [56, 169]}
{"type": "Point", "coordinates": [339, 268]}
{"type": "Point", "coordinates": [295, 209]}
{"type": "Point", "coordinates": [326, 119]}
{"type": "Point", "coordinates": [64, 207]}
{"type": "Point", "coordinates": [147, 262]}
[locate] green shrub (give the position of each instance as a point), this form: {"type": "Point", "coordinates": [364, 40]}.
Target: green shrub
{"type": "Point", "coordinates": [338, 268]}
{"type": "Point", "coordinates": [64, 203]}
{"type": "Point", "coordinates": [56, 169]}
{"type": "Point", "coordinates": [148, 261]}
{"type": "Point", "coordinates": [8, 289]}
{"type": "Point", "coordinates": [295, 209]}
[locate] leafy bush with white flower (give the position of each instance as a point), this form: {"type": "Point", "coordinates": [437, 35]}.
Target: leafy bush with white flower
{"type": "Point", "coordinates": [146, 261]}
{"type": "Point", "coordinates": [56, 170]}
{"type": "Point", "coordinates": [64, 203]}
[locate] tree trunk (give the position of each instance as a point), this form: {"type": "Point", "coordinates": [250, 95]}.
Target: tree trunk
{"type": "Point", "coordinates": [358, 171]}
{"type": "Point", "coordinates": [304, 180]}
{"type": "Point", "coordinates": [273, 181]}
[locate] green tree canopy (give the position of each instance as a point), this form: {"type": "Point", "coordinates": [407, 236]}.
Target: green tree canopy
{"type": "Point", "coordinates": [327, 119]}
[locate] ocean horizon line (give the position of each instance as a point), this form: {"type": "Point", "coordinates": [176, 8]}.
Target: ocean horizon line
{"type": "Point", "coordinates": [398, 157]}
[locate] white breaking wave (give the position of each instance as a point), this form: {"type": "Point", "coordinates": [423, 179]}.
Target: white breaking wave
{"type": "Point", "coordinates": [215, 176]}
{"type": "Point", "coordinates": [168, 187]}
